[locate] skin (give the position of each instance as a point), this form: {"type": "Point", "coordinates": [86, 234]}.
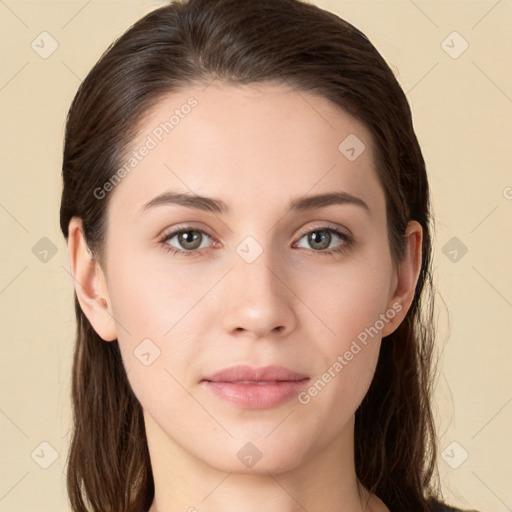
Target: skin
{"type": "Point", "coordinates": [256, 148]}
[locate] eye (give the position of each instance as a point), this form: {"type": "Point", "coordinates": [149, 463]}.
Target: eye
{"type": "Point", "coordinates": [185, 240]}
{"type": "Point", "coordinates": [321, 240]}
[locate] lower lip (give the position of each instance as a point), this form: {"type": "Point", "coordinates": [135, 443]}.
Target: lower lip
{"type": "Point", "coordinates": [257, 396]}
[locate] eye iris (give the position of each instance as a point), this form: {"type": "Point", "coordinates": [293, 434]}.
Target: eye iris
{"type": "Point", "coordinates": [323, 238]}
{"type": "Point", "coordinates": [189, 239]}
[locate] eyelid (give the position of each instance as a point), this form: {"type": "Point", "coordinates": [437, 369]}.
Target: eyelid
{"type": "Point", "coordinates": [167, 234]}
{"type": "Point", "coordinates": [326, 226]}
{"type": "Point", "coordinates": [341, 232]}
{"type": "Point", "coordinates": [347, 240]}
{"type": "Point", "coordinates": [184, 226]}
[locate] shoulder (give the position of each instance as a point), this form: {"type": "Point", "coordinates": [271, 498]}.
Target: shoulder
{"type": "Point", "coordinates": [437, 506]}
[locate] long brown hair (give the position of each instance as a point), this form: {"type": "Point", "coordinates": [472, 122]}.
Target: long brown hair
{"type": "Point", "coordinates": [241, 41]}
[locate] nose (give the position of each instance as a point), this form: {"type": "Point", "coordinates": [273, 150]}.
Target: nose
{"type": "Point", "coordinates": [260, 299]}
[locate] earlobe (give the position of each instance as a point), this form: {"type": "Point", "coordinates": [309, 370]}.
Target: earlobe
{"type": "Point", "coordinates": [407, 277]}
{"type": "Point", "coordinates": [89, 282]}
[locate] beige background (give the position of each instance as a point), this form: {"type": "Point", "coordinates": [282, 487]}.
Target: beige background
{"type": "Point", "coordinates": [463, 116]}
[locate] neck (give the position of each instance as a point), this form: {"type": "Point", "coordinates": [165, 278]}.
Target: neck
{"type": "Point", "coordinates": [327, 481]}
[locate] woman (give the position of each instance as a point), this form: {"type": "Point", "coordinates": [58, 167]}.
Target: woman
{"type": "Point", "coordinates": [248, 218]}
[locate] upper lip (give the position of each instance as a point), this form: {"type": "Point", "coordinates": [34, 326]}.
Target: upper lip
{"type": "Point", "coordinates": [245, 373]}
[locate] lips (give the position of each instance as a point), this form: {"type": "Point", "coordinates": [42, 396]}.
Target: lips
{"type": "Point", "coordinates": [256, 388]}
{"type": "Point", "coordinates": [248, 374]}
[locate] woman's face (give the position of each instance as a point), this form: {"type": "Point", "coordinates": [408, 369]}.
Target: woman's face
{"type": "Point", "coordinates": [258, 277]}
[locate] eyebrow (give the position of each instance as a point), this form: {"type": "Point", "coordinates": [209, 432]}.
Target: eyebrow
{"type": "Point", "coordinates": [217, 206]}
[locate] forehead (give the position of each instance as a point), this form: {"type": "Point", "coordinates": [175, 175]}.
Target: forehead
{"type": "Point", "coordinates": [245, 143]}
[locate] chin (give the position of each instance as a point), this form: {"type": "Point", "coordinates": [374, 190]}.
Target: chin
{"type": "Point", "coordinates": [260, 457]}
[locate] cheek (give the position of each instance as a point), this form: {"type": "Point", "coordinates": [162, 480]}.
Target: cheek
{"type": "Point", "coordinates": [156, 300]}
{"type": "Point", "coordinates": [350, 298]}
{"type": "Point", "coordinates": [352, 306]}
{"type": "Point", "coordinates": [155, 333]}
{"type": "Point", "coordinates": [161, 311]}
{"type": "Point", "coordinates": [350, 303]}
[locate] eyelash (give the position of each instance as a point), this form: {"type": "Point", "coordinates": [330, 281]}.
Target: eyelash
{"type": "Point", "coordinates": [345, 245]}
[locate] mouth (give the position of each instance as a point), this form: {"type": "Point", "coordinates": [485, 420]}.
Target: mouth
{"type": "Point", "coordinates": [256, 388]}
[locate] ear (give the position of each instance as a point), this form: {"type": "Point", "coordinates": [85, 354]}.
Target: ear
{"type": "Point", "coordinates": [404, 282]}
{"type": "Point", "coordinates": [90, 284]}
